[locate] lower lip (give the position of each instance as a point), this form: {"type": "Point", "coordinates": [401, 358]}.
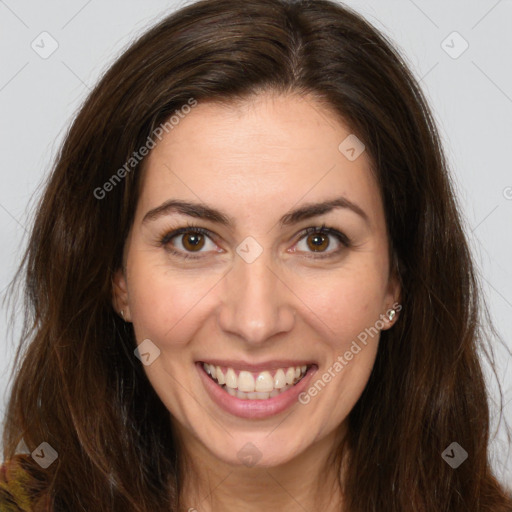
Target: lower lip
{"type": "Point", "coordinates": [254, 409]}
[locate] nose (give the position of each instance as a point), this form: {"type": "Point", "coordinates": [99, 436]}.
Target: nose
{"type": "Point", "coordinates": [256, 304]}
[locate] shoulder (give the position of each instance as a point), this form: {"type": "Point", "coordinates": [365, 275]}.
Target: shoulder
{"type": "Point", "coordinates": [20, 487]}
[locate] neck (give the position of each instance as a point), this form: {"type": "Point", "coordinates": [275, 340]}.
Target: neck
{"type": "Point", "coordinates": [310, 481]}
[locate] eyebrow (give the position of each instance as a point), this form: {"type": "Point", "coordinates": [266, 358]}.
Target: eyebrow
{"type": "Point", "coordinates": [202, 211]}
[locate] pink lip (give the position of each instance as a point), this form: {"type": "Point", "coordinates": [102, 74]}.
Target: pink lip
{"type": "Point", "coordinates": [255, 409]}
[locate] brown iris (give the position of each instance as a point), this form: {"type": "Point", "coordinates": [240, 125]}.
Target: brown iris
{"type": "Point", "coordinates": [192, 241]}
{"type": "Point", "coordinates": [316, 241]}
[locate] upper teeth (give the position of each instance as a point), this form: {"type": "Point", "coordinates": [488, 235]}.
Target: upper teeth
{"type": "Point", "coordinates": [262, 382]}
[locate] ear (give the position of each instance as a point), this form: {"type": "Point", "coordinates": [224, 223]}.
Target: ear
{"type": "Point", "coordinates": [392, 301]}
{"type": "Point", "coordinates": [120, 295]}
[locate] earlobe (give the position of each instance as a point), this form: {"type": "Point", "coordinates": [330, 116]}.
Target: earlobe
{"type": "Point", "coordinates": [390, 317]}
{"type": "Point", "coordinates": [393, 302]}
{"type": "Point", "coordinates": [120, 295]}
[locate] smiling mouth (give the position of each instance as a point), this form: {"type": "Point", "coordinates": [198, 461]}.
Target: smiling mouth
{"type": "Point", "coordinates": [263, 385]}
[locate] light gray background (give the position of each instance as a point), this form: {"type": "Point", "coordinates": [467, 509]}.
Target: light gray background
{"type": "Point", "coordinates": [471, 97]}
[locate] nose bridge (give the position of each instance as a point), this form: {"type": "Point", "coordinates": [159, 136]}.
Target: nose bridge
{"type": "Point", "coordinates": [256, 303]}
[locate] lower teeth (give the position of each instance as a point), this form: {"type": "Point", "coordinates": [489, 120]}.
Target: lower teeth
{"type": "Point", "coordinates": [255, 395]}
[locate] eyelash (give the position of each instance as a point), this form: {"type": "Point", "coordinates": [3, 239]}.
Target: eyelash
{"type": "Point", "coordinates": [189, 228]}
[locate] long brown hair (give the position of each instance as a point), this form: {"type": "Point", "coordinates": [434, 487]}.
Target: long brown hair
{"type": "Point", "coordinates": [78, 385]}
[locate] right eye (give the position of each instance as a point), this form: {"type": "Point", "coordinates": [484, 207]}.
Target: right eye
{"type": "Point", "coordinates": [191, 239]}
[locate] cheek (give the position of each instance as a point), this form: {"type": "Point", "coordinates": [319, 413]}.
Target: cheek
{"type": "Point", "coordinates": [165, 304]}
{"type": "Point", "coordinates": [349, 307]}
{"type": "Point", "coordinates": [346, 302]}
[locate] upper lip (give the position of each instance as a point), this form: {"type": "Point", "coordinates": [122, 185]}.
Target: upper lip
{"type": "Point", "coordinates": [273, 364]}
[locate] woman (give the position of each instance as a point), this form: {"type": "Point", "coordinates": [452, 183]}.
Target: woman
{"type": "Point", "coordinates": [248, 285]}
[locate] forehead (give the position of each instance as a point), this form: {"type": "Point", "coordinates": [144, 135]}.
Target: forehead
{"type": "Point", "coordinates": [261, 155]}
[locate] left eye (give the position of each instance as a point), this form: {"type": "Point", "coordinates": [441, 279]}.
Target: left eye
{"type": "Point", "coordinates": [316, 240]}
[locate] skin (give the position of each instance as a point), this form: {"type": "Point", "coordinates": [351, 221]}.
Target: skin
{"type": "Point", "coordinates": [256, 161]}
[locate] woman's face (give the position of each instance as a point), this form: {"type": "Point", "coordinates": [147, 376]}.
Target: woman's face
{"type": "Point", "coordinates": [260, 300]}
